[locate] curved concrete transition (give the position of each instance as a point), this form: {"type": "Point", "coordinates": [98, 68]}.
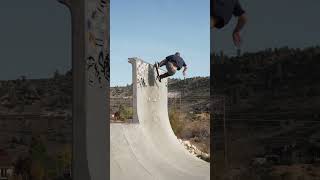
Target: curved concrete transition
{"type": "Point", "coordinates": [148, 149]}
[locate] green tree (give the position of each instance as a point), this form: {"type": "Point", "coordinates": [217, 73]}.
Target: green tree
{"type": "Point", "coordinates": [125, 112]}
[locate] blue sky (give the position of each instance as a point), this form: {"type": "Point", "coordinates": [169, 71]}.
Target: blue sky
{"type": "Point", "coordinates": [153, 29]}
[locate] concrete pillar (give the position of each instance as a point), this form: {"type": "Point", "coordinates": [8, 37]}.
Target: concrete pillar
{"type": "Point", "coordinates": [90, 65]}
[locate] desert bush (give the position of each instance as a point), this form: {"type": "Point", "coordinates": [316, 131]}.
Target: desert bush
{"type": "Point", "coordinates": [176, 123]}
{"type": "Point", "coordinates": [199, 129]}
{"type": "Point", "coordinates": [194, 127]}
{"type": "Point", "coordinates": [125, 112]}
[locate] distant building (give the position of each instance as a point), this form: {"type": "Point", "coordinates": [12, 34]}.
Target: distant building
{"type": "Point", "coordinates": [6, 166]}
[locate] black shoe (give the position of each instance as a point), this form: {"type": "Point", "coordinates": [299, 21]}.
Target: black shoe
{"type": "Point", "coordinates": [159, 78]}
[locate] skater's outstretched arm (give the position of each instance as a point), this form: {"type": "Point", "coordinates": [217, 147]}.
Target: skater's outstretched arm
{"type": "Point", "coordinates": [242, 20]}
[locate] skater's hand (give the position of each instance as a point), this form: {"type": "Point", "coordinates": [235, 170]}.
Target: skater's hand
{"type": "Point", "coordinates": [242, 20]}
{"type": "Point", "coordinates": [236, 38]}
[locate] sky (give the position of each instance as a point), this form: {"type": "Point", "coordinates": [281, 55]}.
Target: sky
{"type": "Point", "coordinates": [35, 35]}
{"type": "Point", "coordinates": [153, 29]}
{"type": "Point", "coordinates": [35, 38]}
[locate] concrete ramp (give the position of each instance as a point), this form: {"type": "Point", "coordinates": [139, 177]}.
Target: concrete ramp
{"type": "Point", "coordinates": [148, 149]}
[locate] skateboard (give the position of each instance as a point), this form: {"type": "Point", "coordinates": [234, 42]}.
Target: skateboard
{"type": "Point", "coordinates": [156, 65]}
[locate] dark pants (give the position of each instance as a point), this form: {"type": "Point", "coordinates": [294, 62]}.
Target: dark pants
{"type": "Point", "coordinates": [171, 68]}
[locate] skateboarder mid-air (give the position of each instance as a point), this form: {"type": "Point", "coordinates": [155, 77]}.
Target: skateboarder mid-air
{"type": "Point", "coordinates": [173, 64]}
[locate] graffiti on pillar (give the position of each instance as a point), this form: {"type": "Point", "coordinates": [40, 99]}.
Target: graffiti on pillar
{"type": "Point", "coordinates": [98, 56]}
{"type": "Point", "coordinates": [146, 75]}
{"type": "Point", "coordinates": [142, 69]}
{"type": "Point", "coordinates": [99, 67]}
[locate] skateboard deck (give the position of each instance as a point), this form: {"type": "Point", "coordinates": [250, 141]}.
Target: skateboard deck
{"type": "Point", "coordinates": [157, 70]}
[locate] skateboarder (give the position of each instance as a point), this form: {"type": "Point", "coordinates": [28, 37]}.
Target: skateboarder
{"type": "Point", "coordinates": [221, 13]}
{"type": "Point", "coordinates": [173, 64]}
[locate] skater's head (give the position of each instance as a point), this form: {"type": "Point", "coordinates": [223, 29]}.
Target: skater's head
{"type": "Point", "coordinates": [177, 54]}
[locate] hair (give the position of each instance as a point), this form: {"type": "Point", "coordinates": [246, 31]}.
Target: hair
{"type": "Point", "coordinates": [177, 53]}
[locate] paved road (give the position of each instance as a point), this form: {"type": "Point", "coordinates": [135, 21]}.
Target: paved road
{"type": "Point", "coordinates": [148, 149]}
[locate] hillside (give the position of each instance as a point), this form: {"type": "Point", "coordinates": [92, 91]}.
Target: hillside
{"type": "Point", "coordinates": [36, 124]}
{"type": "Point", "coordinates": [194, 93]}
{"type": "Point", "coordinates": [195, 86]}
{"type": "Point", "coordinates": [272, 106]}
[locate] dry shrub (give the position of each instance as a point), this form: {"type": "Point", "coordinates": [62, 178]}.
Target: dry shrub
{"type": "Point", "coordinates": [195, 128]}
{"type": "Point", "coordinates": [176, 123]}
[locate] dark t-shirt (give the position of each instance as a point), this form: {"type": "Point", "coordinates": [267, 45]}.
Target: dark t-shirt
{"type": "Point", "coordinates": [177, 60]}
{"type": "Point", "coordinates": [223, 11]}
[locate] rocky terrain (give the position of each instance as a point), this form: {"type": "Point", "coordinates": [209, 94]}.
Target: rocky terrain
{"type": "Point", "coordinates": [194, 150]}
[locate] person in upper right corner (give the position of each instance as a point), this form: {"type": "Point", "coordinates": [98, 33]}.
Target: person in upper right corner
{"type": "Point", "coordinates": [221, 13]}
